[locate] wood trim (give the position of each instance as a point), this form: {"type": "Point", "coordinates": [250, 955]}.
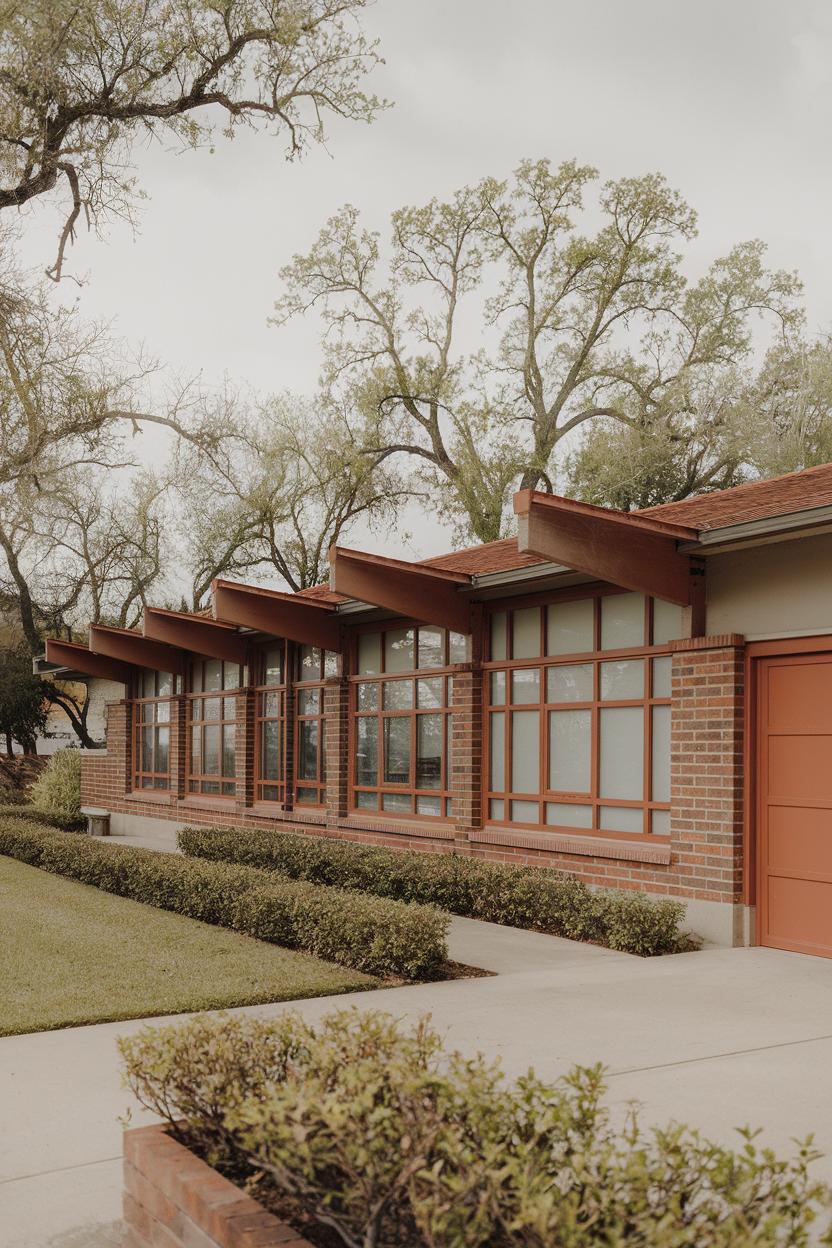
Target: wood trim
{"type": "Point", "coordinates": [197, 634]}
{"type": "Point", "coordinates": [82, 659]}
{"type": "Point", "coordinates": [429, 595]}
{"type": "Point", "coordinates": [131, 647]}
{"type": "Point", "coordinates": [279, 615]}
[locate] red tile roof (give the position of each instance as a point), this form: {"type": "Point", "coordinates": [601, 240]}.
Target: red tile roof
{"type": "Point", "coordinates": [757, 500]}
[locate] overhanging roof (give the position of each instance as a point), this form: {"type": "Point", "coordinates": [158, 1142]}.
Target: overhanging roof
{"type": "Point", "coordinates": [305, 620]}
{"type": "Point", "coordinates": [78, 658]}
{"type": "Point", "coordinates": [410, 589]}
{"type": "Point", "coordinates": [634, 551]}
{"type": "Point", "coordinates": [128, 646]}
{"type": "Point", "coordinates": [196, 633]}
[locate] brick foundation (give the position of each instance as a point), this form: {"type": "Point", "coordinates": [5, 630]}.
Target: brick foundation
{"type": "Point", "coordinates": [702, 860]}
{"type": "Point", "coordinates": [172, 1199]}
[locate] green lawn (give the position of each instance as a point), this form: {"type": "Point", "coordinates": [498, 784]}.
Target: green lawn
{"type": "Point", "coordinates": [71, 954]}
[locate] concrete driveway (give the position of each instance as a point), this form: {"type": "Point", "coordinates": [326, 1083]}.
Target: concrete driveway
{"type": "Point", "coordinates": [719, 1039]}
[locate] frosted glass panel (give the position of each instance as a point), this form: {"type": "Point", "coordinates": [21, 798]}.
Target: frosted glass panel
{"type": "Point", "coordinates": [622, 680]}
{"type": "Point", "coordinates": [398, 650]}
{"type": "Point", "coordinates": [660, 822]}
{"type": "Point", "coordinates": [498, 688]}
{"type": "Point", "coordinates": [398, 802]}
{"type": "Point", "coordinates": [366, 801]}
{"type": "Point", "coordinates": [572, 682]}
{"type": "Point", "coordinates": [569, 627]}
{"type": "Point", "coordinates": [661, 754]}
{"type": "Point", "coordinates": [498, 751]}
{"type": "Point", "coordinates": [428, 806]}
{"type": "Point", "coordinates": [431, 647]}
{"type": "Point", "coordinates": [667, 622]}
{"type": "Point", "coordinates": [568, 815]}
{"type": "Point", "coordinates": [526, 633]}
{"type": "Point", "coordinates": [570, 751]}
{"type": "Point", "coordinates": [622, 621]}
{"type": "Point", "coordinates": [525, 685]}
{"type": "Point", "coordinates": [622, 819]}
{"type": "Point", "coordinates": [622, 752]}
{"type": "Point", "coordinates": [458, 649]}
{"type": "Point", "coordinates": [661, 676]}
{"type": "Point", "coordinates": [525, 812]}
{"type": "Point", "coordinates": [369, 652]}
{"type": "Point", "coordinates": [496, 808]}
{"type": "Point", "coordinates": [498, 635]}
{"type": "Point", "coordinates": [398, 695]}
{"type": "Point", "coordinates": [525, 756]}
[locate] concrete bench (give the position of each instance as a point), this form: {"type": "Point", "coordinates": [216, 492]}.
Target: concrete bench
{"type": "Point", "coordinates": [98, 820]}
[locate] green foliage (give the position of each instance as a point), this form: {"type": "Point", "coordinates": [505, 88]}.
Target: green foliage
{"type": "Point", "coordinates": [40, 815]}
{"type": "Point", "coordinates": [377, 1135]}
{"type": "Point", "coordinates": [370, 934]}
{"type": "Point", "coordinates": [589, 317]}
{"type": "Point", "coordinates": [58, 788]}
{"type": "Point", "coordinates": [527, 897]}
{"type": "Point", "coordinates": [22, 705]}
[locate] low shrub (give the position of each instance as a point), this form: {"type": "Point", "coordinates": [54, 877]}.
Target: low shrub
{"type": "Point", "coordinates": [370, 934]}
{"type": "Point", "coordinates": [58, 788]}
{"type": "Point", "coordinates": [375, 1135]}
{"type": "Point", "coordinates": [36, 814]}
{"type": "Point", "coordinates": [528, 897]}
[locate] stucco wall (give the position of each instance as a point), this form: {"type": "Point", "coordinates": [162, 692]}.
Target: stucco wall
{"type": "Point", "coordinates": [58, 726]}
{"type": "Point", "coordinates": [784, 587]}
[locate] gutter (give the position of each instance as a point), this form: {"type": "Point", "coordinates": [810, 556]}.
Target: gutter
{"type": "Point", "coordinates": [759, 528]}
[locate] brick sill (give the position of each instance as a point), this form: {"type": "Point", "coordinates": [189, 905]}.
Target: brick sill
{"type": "Point", "coordinates": [436, 832]}
{"type": "Point", "coordinates": [299, 814]}
{"type": "Point", "coordinates": [590, 847]}
{"type": "Point", "coordinates": [160, 797]}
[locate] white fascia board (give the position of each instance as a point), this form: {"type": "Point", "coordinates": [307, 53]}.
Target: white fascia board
{"type": "Point", "coordinates": [759, 528]}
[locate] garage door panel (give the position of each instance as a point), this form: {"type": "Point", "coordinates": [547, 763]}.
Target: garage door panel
{"type": "Point", "coordinates": [799, 840]}
{"type": "Point", "coordinates": [794, 802]}
{"type": "Point", "coordinates": [800, 768]}
{"type": "Point", "coordinates": [798, 912]}
{"type": "Point", "coordinates": [800, 696]}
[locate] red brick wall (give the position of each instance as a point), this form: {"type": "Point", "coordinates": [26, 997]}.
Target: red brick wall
{"type": "Point", "coordinates": [172, 1199]}
{"type": "Point", "coordinates": [702, 858]}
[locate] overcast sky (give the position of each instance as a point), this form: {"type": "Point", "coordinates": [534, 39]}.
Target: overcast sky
{"type": "Point", "coordinates": [731, 99]}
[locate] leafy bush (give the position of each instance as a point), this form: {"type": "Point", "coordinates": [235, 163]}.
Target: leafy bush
{"type": "Point", "coordinates": [374, 1133]}
{"type": "Point", "coordinates": [58, 788]}
{"type": "Point", "coordinates": [528, 897]}
{"type": "Point", "coordinates": [370, 934]}
{"type": "Point", "coordinates": [51, 818]}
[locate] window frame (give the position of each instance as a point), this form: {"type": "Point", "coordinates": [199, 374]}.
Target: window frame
{"type": "Point", "coordinates": [139, 701]}
{"type": "Point", "coordinates": [303, 684]}
{"type": "Point", "coordinates": [262, 688]}
{"type": "Point", "coordinates": [544, 707]}
{"type": "Point", "coordinates": [445, 672]}
{"type": "Point", "coordinates": [196, 781]}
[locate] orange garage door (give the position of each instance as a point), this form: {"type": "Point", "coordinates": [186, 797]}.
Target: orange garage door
{"type": "Point", "coordinates": [794, 811]}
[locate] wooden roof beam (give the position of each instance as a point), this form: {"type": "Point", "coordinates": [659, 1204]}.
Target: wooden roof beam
{"type": "Point", "coordinates": [128, 646]}
{"type": "Point", "coordinates": [635, 552]}
{"type": "Point", "coordinates": [195, 633]}
{"type": "Point", "coordinates": [410, 589]}
{"type": "Point", "coordinates": [270, 611]}
{"type": "Point", "coordinates": [80, 659]}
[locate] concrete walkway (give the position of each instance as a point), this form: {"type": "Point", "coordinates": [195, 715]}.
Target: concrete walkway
{"type": "Point", "coordinates": [718, 1039]}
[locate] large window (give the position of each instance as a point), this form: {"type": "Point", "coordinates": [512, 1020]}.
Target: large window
{"type": "Point", "coordinates": [151, 730]}
{"type": "Point", "coordinates": [578, 711]}
{"type": "Point", "coordinates": [401, 720]}
{"type": "Point", "coordinates": [212, 745]}
{"type": "Point", "coordinates": [313, 666]}
{"type": "Point", "coordinates": [270, 731]}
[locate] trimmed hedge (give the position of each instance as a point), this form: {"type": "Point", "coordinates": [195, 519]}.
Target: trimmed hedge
{"type": "Point", "coordinates": [51, 818]}
{"type": "Point", "coordinates": [527, 897]}
{"type": "Point", "coordinates": [370, 934]}
{"type": "Point", "coordinates": [368, 1133]}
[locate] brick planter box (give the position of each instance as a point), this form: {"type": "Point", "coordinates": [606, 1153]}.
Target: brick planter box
{"type": "Point", "coordinates": [172, 1199]}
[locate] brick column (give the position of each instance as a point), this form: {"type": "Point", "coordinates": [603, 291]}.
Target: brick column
{"type": "Point", "coordinates": [466, 752]}
{"type": "Point", "coordinates": [178, 745]}
{"type": "Point", "coordinates": [244, 743]}
{"type": "Point", "coordinates": [106, 774]}
{"type": "Point", "coordinates": [336, 737]}
{"type": "Point", "coordinates": [706, 761]}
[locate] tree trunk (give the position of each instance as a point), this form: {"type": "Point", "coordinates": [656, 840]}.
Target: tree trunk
{"type": "Point", "coordinates": [9, 745]}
